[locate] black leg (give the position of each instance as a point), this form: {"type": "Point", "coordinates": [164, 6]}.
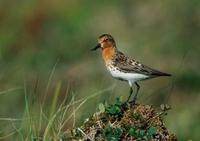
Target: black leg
{"type": "Point", "coordinates": [138, 88]}
{"type": "Point", "coordinates": [130, 93]}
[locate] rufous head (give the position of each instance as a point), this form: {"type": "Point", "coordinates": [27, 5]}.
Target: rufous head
{"type": "Point", "coordinates": [105, 41]}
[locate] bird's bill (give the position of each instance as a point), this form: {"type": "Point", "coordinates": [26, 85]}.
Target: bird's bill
{"type": "Point", "coordinates": [95, 48]}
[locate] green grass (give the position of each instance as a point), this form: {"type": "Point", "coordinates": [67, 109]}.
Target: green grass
{"type": "Point", "coordinates": [49, 121]}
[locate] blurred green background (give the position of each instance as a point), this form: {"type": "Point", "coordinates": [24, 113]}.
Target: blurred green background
{"type": "Point", "coordinates": [43, 37]}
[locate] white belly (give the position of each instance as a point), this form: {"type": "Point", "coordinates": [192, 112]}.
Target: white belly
{"type": "Point", "coordinates": [131, 77]}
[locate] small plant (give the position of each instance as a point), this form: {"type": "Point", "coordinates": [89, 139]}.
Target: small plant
{"type": "Point", "coordinates": [115, 110]}
{"type": "Point", "coordinates": [141, 133]}
{"type": "Point", "coordinates": [112, 134]}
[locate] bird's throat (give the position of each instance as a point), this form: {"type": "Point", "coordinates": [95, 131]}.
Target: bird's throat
{"type": "Point", "coordinates": [108, 54]}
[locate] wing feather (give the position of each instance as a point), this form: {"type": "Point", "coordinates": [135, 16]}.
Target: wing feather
{"type": "Point", "coordinates": [122, 62]}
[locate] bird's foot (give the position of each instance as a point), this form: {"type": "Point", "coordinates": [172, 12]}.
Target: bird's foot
{"type": "Point", "coordinates": [125, 105]}
{"type": "Point", "coordinates": [133, 102]}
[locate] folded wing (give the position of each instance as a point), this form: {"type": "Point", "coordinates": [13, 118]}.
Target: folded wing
{"type": "Point", "coordinates": [125, 64]}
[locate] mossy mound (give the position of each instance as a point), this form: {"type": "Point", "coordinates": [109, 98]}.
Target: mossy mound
{"type": "Point", "coordinates": [125, 122]}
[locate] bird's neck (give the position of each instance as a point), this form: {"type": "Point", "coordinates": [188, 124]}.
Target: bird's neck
{"type": "Point", "coordinates": [108, 54]}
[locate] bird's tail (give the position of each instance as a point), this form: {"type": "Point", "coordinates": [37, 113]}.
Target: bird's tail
{"type": "Point", "coordinates": [158, 73]}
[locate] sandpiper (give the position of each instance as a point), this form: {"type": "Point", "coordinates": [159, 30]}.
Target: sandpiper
{"type": "Point", "coordinates": [122, 67]}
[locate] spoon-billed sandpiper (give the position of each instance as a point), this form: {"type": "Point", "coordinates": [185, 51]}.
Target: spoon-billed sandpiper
{"type": "Point", "coordinates": [122, 67]}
